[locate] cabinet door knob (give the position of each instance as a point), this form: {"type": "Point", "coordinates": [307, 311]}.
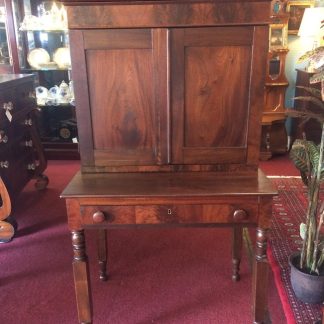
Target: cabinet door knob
{"type": "Point", "coordinates": [98, 217]}
{"type": "Point", "coordinates": [3, 137]}
{"type": "Point", "coordinates": [8, 106]}
{"type": "Point", "coordinates": [4, 164]}
{"type": "Point", "coordinates": [240, 215]}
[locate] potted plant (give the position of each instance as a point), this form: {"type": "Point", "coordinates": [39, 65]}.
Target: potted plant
{"type": "Point", "coordinates": [307, 266]}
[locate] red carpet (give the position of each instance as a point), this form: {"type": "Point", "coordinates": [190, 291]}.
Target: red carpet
{"type": "Point", "coordinates": [288, 212]}
{"type": "Point", "coordinates": [157, 275]}
{"type": "Point", "coordinates": [279, 165]}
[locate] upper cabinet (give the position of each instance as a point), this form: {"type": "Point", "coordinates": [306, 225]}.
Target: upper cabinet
{"type": "Point", "coordinates": [153, 94]}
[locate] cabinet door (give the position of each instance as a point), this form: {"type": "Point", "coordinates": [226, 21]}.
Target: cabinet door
{"type": "Point", "coordinates": [127, 87]}
{"type": "Point", "coordinates": [217, 93]}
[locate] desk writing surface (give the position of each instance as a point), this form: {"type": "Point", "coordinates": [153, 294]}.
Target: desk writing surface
{"type": "Point", "coordinates": [166, 184]}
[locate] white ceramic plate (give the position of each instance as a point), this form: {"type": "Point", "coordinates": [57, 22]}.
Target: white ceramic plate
{"type": "Point", "coordinates": [62, 58]}
{"type": "Point", "coordinates": [38, 56]}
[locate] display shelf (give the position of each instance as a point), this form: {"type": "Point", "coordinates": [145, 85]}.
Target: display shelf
{"type": "Point", "coordinates": [42, 25]}
{"type": "Point", "coordinates": [30, 70]}
{"type": "Point", "coordinates": [44, 30]}
{"type": "Point", "coordinates": [63, 105]}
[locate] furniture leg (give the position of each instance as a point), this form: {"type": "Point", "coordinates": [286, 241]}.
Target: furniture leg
{"type": "Point", "coordinates": [236, 251]}
{"type": "Point", "coordinates": [102, 254]}
{"type": "Point", "coordinates": [81, 277]}
{"type": "Point", "coordinates": [260, 277]}
{"type": "Point", "coordinates": [41, 182]}
{"type": "Point", "coordinates": [7, 231]}
{"type": "Point", "coordinates": [7, 227]}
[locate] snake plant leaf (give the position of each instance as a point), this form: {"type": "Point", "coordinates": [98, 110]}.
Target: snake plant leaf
{"type": "Point", "coordinates": [320, 261]}
{"type": "Point", "coordinates": [304, 178]}
{"type": "Point", "coordinates": [302, 230]}
{"type": "Point", "coordinates": [321, 246]}
{"type": "Point", "coordinates": [312, 91]}
{"type": "Point", "coordinates": [320, 69]}
{"type": "Point", "coordinates": [317, 77]}
{"type": "Point", "coordinates": [315, 55]}
{"type": "Point", "coordinates": [300, 153]}
{"type": "Point", "coordinates": [314, 155]}
{"type": "Point", "coordinates": [314, 100]}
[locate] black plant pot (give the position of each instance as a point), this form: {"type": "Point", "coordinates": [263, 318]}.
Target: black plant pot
{"type": "Point", "coordinates": [309, 288]}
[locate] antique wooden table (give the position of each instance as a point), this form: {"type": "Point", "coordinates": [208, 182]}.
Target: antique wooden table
{"type": "Point", "coordinates": [104, 201]}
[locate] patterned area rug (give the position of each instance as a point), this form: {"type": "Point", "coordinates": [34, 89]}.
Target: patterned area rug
{"type": "Point", "coordinates": [288, 212]}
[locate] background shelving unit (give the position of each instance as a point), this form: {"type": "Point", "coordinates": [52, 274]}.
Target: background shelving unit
{"type": "Point", "coordinates": [57, 124]}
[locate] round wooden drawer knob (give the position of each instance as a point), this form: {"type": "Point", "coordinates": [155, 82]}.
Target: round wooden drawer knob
{"type": "Point", "coordinates": [98, 217]}
{"type": "Point", "coordinates": [240, 215]}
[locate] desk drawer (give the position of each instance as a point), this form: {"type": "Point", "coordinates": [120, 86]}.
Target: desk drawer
{"type": "Point", "coordinates": [170, 214]}
{"type": "Point", "coordinates": [17, 101]}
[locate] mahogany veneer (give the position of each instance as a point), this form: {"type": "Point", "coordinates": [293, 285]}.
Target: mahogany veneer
{"type": "Point", "coordinates": [169, 97]}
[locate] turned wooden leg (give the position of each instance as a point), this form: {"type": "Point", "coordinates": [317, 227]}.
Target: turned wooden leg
{"type": "Point", "coordinates": [260, 277]}
{"type": "Point", "coordinates": [102, 254]}
{"type": "Point", "coordinates": [7, 231]}
{"type": "Point", "coordinates": [236, 252]}
{"type": "Point", "coordinates": [81, 277]}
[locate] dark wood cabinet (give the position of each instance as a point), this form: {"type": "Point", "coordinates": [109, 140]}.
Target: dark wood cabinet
{"type": "Point", "coordinates": [169, 107]}
{"type": "Point", "coordinates": [21, 153]}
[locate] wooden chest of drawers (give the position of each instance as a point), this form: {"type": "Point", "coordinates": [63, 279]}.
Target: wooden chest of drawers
{"type": "Point", "coordinates": [21, 155]}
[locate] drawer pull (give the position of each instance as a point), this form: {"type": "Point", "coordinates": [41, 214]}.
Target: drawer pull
{"type": "Point", "coordinates": [4, 164]}
{"type": "Point", "coordinates": [28, 143]}
{"type": "Point", "coordinates": [98, 217]}
{"type": "Point", "coordinates": [8, 106]}
{"type": "Point", "coordinates": [28, 122]}
{"type": "Point", "coordinates": [240, 215]}
{"type": "Point", "coordinates": [169, 211]}
{"type": "Point", "coordinates": [31, 166]}
{"type": "Point", "coordinates": [3, 137]}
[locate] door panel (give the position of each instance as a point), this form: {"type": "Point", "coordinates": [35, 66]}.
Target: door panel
{"type": "Point", "coordinates": [122, 118]}
{"type": "Point", "coordinates": [211, 106]}
{"type": "Point", "coordinates": [123, 87]}
{"type": "Point", "coordinates": [210, 78]}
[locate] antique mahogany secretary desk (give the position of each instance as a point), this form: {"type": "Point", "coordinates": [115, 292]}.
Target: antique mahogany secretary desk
{"type": "Point", "coordinates": [169, 97]}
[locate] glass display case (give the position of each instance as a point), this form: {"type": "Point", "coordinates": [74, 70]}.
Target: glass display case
{"type": "Point", "coordinates": [43, 49]}
{"type": "Point", "coordinates": [4, 46]}
{"type": "Point", "coordinates": [8, 47]}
